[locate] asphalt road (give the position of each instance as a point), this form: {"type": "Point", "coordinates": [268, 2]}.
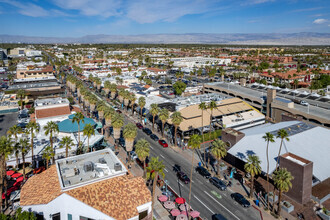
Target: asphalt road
{"type": "Point", "coordinates": [6, 121]}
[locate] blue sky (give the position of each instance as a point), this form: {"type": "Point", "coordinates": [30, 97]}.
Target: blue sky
{"type": "Point", "coordinates": [75, 18]}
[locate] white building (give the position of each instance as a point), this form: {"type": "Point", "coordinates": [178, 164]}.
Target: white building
{"type": "Point", "coordinates": [95, 185]}
{"type": "Point", "coordinates": [199, 61]}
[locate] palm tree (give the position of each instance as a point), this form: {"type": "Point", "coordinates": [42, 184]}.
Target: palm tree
{"type": "Point", "coordinates": [194, 143]}
{"type": "Point", "coordinates": [129, 133]}
{"type": "Point", "coordinates": [113, 90]}
{"type": "Point", "coordinates": [48, 154]}
{"type": "Point", "coordinates": [268, 138]}
{"type": "Point", "coordinates": [78, 117]}
{"type": "Point", "coordinates": [252, 166]}
{"type": "Point", "coordinates": [154, 111]}
{"type": "Point", "coordinates": [142, 149]}
{"type": "Point", "coordinates": [117, 123]}
{"type": "Point", "coordinates": [50, 129]}
{"type": "Point", "coordinates": [212, 105]}
{"type": "Point", "coordinates": [126, 97]}
{"type": "Point", "coordinates": [283, 134]}
{"type": "Point", "coordinates": [32, 127]}
{"type": "Point", "coordinates": [218, 150]}
{"type": "Point", "coordinates": [107, 86]}
{"type": "Point", "coordinates": [88, 131]}
{"type": "Point", "coordinates": [142, 103]}
{"type": "Point", "coordinates": [154, 169]}
{"type": "Point", "coordinates": [6, 149]}
{"type": "Point", "coordinates": [66, 142]}
{"type": "Point", "coordinates": [132, 98]}
{"type": "Point", "coordinates": [163, 116]}
{"type": "Point", "coordinates": [23, 146]}
{"type": "Point", "coordinates": [21, 94]}
{"type": "Point", "coordinates": [176, 120]}
{"type": "Point", "coordinates": [108, 113]}
{"type": "Point", "coordinates": [203, 107]}
{"type": "Point", "coordinates": [282, 180]}
{"type": "Point", "coordinates": [14, 131]}
{"type": "Point", "coordinates": [101, 107]}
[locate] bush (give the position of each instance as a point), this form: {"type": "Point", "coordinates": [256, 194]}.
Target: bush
{"type": "Point", "coordinates": [214, 135]}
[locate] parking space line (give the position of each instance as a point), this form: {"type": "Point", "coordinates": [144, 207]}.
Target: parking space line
{"type": "Point", "coordinates": [161, 156]}
{"type": "Point", "coordinates": [165, 170]}
{"type": "Point", "coordinates": [221, 205]}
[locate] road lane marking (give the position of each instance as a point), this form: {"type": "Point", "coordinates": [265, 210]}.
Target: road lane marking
{"type": "Point", "coordinates": [181, 184]}
{"type": "Point", "coordinates": [162, 156]}
{"type": "Point", "coordinates": [151, 147]}
{"type": "Point", "coordinates": [221, 205]}
{"type": "Point", "coordinates": [165, 170]}
{"type": "Point", "coordinates": [204, 204]}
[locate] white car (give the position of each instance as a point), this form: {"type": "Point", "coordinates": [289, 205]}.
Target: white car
{"type": "Point", "coordinates": [133, 155]}
{"type": "Point", "coordinates": [304, 103]}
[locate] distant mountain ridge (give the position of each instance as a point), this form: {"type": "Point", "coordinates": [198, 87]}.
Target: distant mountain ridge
{"type": "Point", "coordinates": [303, 38]}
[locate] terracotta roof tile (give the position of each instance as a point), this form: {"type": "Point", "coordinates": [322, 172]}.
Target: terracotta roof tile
{"type": "Point", "coordinates": [117, 197]}
{"type": "Point", "coordinates": [51, 112]}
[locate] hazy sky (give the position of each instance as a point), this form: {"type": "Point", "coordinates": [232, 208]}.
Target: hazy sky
{"type": "Point", "coordinates": [74, 18]}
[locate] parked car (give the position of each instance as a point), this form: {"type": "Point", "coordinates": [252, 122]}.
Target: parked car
{"type": "Point", "coordinates": [304, 103]}
{"type": "Point", "coordinates": [140, 163]}
{"type": "Point", "coordinates": [239, 198]}
{"type": "Point", "coordinates": [121, 142]}
{"type": "Point", "coordinates": [183, 177]}
{"type": "Point", "coordinates": [163, 143]}
{"type": "Point", "coordinates": [139, 125]}
{"type": "Point", "coordinates": [154, 137]}
{"type": "Point", "coordinates": [218, 183]}
{"type": "Point", "coordinates": [218, 217]}
{"type": "Point", "coordinates": [202, 171]}
{"type": "Point", "coordinates": [133, 155]}
{"type": "Point", "coordinates": [176, 168]}
{"type": "Point", "coordinates": [147, 131]}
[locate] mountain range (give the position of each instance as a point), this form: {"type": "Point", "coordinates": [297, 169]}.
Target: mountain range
{"type": "Point", "coordinates": [303, 38]}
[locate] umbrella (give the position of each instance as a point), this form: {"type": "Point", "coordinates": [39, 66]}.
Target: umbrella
{"type": "Point", "coordinates": [162, 198]}
{"type": "Point", "coordinates": [194, 214]}
{"type": "Point", "coordinates": [182, 217]}
{"type": "Point", "coordinates": [175, 212]}
{"type": "Point", "coordinates": [10, 172]}
{"type": "Point", "coordinates": [184, 213]}
{"type": "Point", "coordinates": [19, 179]}
{"type": "Point", "coordinates": [16, 175]}
{"type": "Point", "coordinates": [184, 206]}
{"type": "Point", "coordinates": [180, 200]}
{"type": "Point", "coordinates": [169, 205]}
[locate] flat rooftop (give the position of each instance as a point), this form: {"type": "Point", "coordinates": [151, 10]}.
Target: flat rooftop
{"type": "Point", "coordinates": [35, 79]}
{"type": "Point", "coordinates": [88, 168]}
{"type": "Point", "coordinates": [52, 101]}
{"type": "Point", "coordinates": [33, 85]}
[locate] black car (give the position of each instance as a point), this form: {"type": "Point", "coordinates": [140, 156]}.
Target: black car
{"type": "Point", "coordinates": [176, 168]}
{"type": "Point", "coordinates": [22, 125]}
{"type": "Point", "coordinates": [218, 217]}
{"type": "Point", "coordinates": [183, 177]}
{"type": "Point", "coordinates": [154, 137]}
{"type": "Point", "coordinates": [147, 131]}
{"type": "Point", "coordinates": [240, 199]}
{"type": "Point", "coordinates": [218, 183]}
{"type": "Point", "coordinates": [202, 171]}
{"type": "Point", "coordinates": [121, 142]}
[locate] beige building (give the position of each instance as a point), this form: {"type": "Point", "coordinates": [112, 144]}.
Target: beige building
{"type": "Point", "coordinates": [33, 71]}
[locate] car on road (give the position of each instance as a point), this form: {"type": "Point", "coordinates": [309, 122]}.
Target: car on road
{"type": "Point", "coordinates": [239, 198]}
{"type": "Point", "coordinates": [154, 137]}
{"type": "Point", "coordinates": [147, 131]}
{"type": "Point", "coordinates": [121, 142]}
{"type": "Point", "coordinates": [304, 103]}
{"type": "Point", "coordinates": [202, 171]}
{"type": "Point", "coordinates": [218, 217]}
{"type": "Point", "coordinates": [183, 177]}
{"type": "Point", "coordinates": [139, 125]}
{"type": "Point", "coordinates": [163, 143]}
{"type": "Point", "coordinates": [176, 168]}
{"type": "Point", "coordinates": [218, 183]}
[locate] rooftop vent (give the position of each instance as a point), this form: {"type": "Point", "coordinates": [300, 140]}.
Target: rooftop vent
{"type": "Point", "coordinates": [88, 166]}
{"type": "Point", "coordinates": [102, 161]}
{"type": "Point", "coordinates": [117, 167]}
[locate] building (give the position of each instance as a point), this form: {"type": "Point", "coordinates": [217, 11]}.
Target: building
{"type": "Point", "coordinates": [156, 72]}
{"type": "Point", "coordinates": [49, 108]}
{"type": "Point", "coordinates": [305, 155]}
{"type": "Point", "coordinates": [33, 53]}
{"type": "Point", "coordinates": [3, 54]}
{"type": "Point", "coordinates": [199, 61]}
{"type": "Point", "coordinates": [18, 52]}
{"type": "Point", "coordinates": [95, 185]}
{"type": "Point", "coordinates": [36, 70]}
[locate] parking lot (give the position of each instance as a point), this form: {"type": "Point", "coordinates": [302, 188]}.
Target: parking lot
{"type": "Point", "coordinates": [7, 121]}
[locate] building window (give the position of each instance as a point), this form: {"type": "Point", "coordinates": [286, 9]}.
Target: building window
{"type": "Point", "coordinates": [69, 217]}
{"type": "Point", "coordinates": [143, 215]}
{"type": "Point", "coordinates": [85, 218]}
{"type": "Point", "coordinates": [56, 216]}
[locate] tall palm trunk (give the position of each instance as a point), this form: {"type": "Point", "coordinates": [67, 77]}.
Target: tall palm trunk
{"type": "Point", "coordinates": [144, 168]}
{"type": "Point", "coordinates": [51, 144]}
{"type": "Point", "coordinates": [3, 179]}
{"type": "Point", "coordinates": [79, 135]}
{"type": "Point", "coordinates": [191, 173]}
{"type": "Point", "coordinates": [210, 123]}
{"type": "Point", "coordinates": [141, 114]}
{"type": "Point", "coordinates": [279, 203]}
{"type": "Point", "coordinates": [267, 176]}
{"type": "Point", "coordinates": [88, 150]}
{"type": "Point", "coordinates": [16, 155]}
{"type": "Point", "coordinates": [175, 129]}
{"type": "Point", "coordinates": [47, 162]}
{"type": "Point", "coordinates": [153, 123]}
{"type": "Point", "coordinates": [23, 158]}
{"type": "Point", "coordinates": [218, 168]}
{"type": "Point", "coordinates": [203, 136]}
{"type": "Point", "coordinates": [252, 187]}
{"type": "Point", "coordinates": [163, 129]}
{"type": "Point", "coordinates": [153, 193]}
{"type": "Point", "coordinates": [66, 151]}
{"type": "Point", "coordinates": [277, 164]}
{"type": "Point", "coordinates": [32, 147]}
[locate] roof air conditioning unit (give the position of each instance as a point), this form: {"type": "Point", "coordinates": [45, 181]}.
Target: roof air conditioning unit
{"type": "Point", "coordinates": [88, 166]}
{"type": "Point", "coordinates": [117, 167]}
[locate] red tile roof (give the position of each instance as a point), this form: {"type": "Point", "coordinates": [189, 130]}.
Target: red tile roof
{"type": "Point", "coordinates": [52, 112]}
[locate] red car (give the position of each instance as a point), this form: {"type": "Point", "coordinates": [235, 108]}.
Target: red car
{"type": "Point", "coordinates": [139, 125]}
{"type": "Point", "coordinates": [163, 143]}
